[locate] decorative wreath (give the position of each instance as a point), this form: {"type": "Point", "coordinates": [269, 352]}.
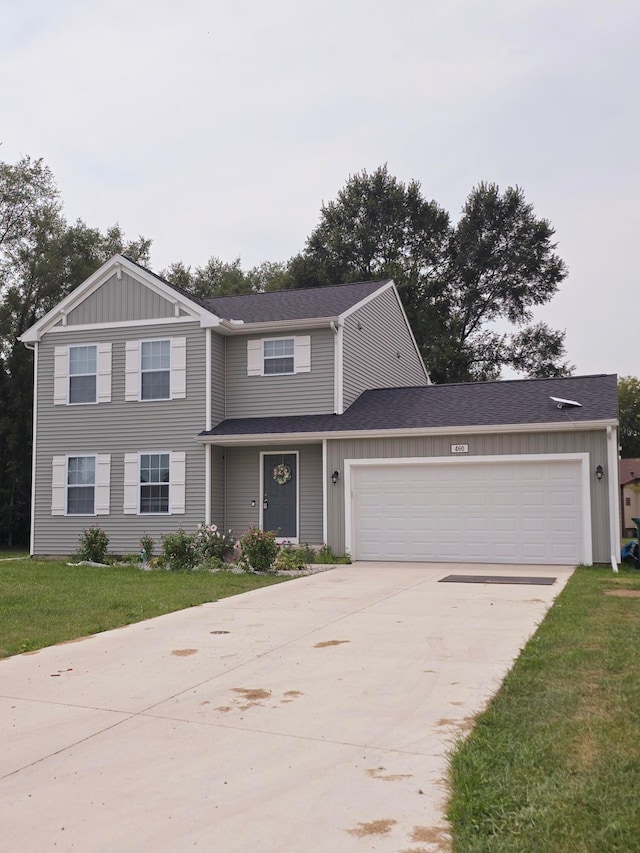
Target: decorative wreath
{"type": "Point", "coordinates": [282, 474]}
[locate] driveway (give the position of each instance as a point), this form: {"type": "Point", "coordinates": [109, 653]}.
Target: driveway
{"type": "Point", "coordinates": [314, 715]}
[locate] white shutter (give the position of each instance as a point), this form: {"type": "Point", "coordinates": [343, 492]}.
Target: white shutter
{"type": "Point", "coordinates": [59, 485]}
{"type": "Point", "coordinates": [178, 368]}
{"type": "Point", "coordinates": [103, 381]}
{"type": "Point", "coordinates": [132, 370]}
{"type": "Point", "coordinates": [131, 484]}
{"type": "Point", "coordinates": [254, 358]}
{"type": "Point", "coordinates": [178, 480]}
{"type": "Point", "coordinates": [303, 354]}
{"type": "Point", "coordinates": [60, 376]}
{"type": "Point", "coordinates": [103, 482]}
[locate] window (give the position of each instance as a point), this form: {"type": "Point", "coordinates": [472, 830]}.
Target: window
{"type": "Point", "coordinates": [155, 370]}
{"type": "Point", "coordinates": [82, 374]}
{"type": "Point", "coordinates": [154, 482]}
{"type": "Point", "coordinates": [627, 501]}
{"type": "Point", "coordinates": [81, 485]}
{"type": "Point", "coordinates": [279, 356]}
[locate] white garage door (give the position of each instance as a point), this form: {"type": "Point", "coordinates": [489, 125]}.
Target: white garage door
{"type": "Point", "coordinates": [502, 512]}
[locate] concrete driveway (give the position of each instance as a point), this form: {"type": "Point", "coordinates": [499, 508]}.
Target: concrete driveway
{"type": "Point", "coordinates": [311, 716]}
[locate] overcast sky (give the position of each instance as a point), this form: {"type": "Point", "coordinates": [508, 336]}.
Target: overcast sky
{"type": "Point", "coordinates": [219, 128]}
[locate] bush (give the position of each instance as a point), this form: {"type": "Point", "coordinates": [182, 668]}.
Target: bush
{"type": "Point", "coordinates": [147, 547]}
{"type": "Point", "coordinates": [178, 551]}
{"type": "Point", "coordinates": [326, 556]}
{"type": "Point", "coordinates": [259, 549]}
{"type": "Point", "coordinates": [93, 545]}
{"type": "Point", "coordinates": [290, 559]}
{"type": "Point", "coordinates": [210, 543]}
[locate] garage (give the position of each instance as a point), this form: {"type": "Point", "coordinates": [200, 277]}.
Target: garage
{"type": "Point", "coordinates": [512, 509]}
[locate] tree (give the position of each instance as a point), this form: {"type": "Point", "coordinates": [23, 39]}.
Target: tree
{"type": "Point", "coordinates": [629, 416]}
{"type": "Point", "coordinates": [219, 278]}
{"type": "Point", "coordinates": [42, 259]}
{"type": "Point", "coordinates": [456, 282]}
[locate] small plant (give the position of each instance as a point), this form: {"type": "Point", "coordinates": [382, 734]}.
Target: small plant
{"type": "Point", "coordinates": [308, 553]}
{"type": "Point", "coordinates": [147, 547]}
{"type": "Point", "coordinates": [93, 545]}
{"type": "Point", "coordinates": [212, 543]}
{"type": "Point", "coordinates": [290, 559]}
{"type": "Point", "coordinates": [259, 549]}
{"type": "Point", "coordinates": [326, 556]}
{"type": "Point", "coordinates": [178, 551]}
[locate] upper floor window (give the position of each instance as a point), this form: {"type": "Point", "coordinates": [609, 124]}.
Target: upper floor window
{"type": "Point", "coordinates": [82, 374]}
{"type": "Point", "coordinates": [155, 370]}
{"type": "Point", "coordinates": [279, 356]}
{"type": "Point", "coordinates": [83, 367]}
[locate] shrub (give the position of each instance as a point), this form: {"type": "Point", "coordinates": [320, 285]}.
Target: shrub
{"type": "Point", "coordinates": [212, 543]}
{"type": "Point", "coordinates": [259, 548]}
{"type": "Point", "coordinates": [326, 556]}
{"type": "Point", "coordinates": [308, 553]}
{"type": "Point", "coordinates": [178, 551]}
{"type": "Point", "coordinates": [290, 559]}
{"type": "Point", "coordinates": [147, 547]}
{"type": "Point", "coordinates": [93, 545]}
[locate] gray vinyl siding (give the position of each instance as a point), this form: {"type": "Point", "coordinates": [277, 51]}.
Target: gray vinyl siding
{"type": "Point", "coordinates": [242, 486]}
{"type": "Point", "coordinates": [378, 349]}
{"type": "Point", "coordinates": [120, 300]}
{"type": "Point", "coordinates": [218, 356]}
{"type": "Point", "coordinates": [592, 442]}
{"type": "Point", "coordinates": [117, 428]}
{"type": "Point", "coordinates": [298, 394]}
{"type": "Point", "coordinates": [217, 487]}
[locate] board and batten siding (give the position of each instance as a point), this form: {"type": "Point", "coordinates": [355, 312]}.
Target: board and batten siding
{"type": "Point", "coordinates": [118, 300]}
{"type": "Point", "coordinates": [494, 444]}
{"type": "Point", "coordinates": [378, 349]}
{"type": "Point", "coordinates": [294, 394]}
{"type": "Point", "coordinates": [117, 428]}
{"type": "Point", "coordinates": [242, 486]}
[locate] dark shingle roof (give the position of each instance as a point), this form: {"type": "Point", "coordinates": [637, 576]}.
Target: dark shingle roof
{"type": "Point", "coordinates": [629, 470]}
{"type": "Point", "coordinates": [304, 304]}
{"type": "Point", "coordinates": [471, 404]}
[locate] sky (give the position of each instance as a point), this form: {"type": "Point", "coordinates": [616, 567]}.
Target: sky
{"type": "Point", "coordinates": [219, 128]}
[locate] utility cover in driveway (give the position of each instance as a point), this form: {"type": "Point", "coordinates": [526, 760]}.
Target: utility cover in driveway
{"type": "Point", "coordinates": [496, 579]}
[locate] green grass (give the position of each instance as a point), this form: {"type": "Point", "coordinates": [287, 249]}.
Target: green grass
{"type": "Point", "coordinates": [44, 602]}
{"type": "Point", "coordinates": [553, 764]}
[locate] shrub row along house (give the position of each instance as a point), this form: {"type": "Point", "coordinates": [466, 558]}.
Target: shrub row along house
{"type": "Point", "coordinates": [309, 412]}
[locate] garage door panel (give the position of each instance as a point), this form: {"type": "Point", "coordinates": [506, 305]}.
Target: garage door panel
{"type": "Point", "coordinates": [515, 512]}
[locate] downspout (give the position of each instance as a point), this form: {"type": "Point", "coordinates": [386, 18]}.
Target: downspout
{"type": "Point", "coordinates": [32, 527]}
{"type": "Point", "coordinates": [207, 421]}
{"type": "Point", "coordinates": [614, 506]}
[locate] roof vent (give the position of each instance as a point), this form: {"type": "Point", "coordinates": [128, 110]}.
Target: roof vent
{"type": "Point", "coordinates": [565, 404]}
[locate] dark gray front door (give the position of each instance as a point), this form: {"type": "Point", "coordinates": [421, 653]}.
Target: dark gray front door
{"type": "Point", "coordinates": [279, 508]}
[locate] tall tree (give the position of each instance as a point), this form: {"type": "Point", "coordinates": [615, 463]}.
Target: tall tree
{"type": "Point", "coordinates": [219, 278]}
{"type": "Point", "coordinates": [457, 283]}
{"type": "Point", "coordinates": [629, 416]}
{"type": "Point", "coordinates": [42, 259]}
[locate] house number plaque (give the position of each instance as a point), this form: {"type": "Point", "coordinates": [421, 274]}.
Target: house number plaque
{"type": "Point", "coordinates": [459, 448]}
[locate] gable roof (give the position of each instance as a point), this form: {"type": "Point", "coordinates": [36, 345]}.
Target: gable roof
{"type": "Point", "coordinates": [308, 303]}
{"type": "Point", "coordinates": [629, 471]}
{"type": "Point", "coordinates": [453, 408]}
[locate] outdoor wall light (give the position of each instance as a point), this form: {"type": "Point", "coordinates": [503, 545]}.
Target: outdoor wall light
{"type": "Point", "coordinates": [599, 472]}
{"type": "Point", "coordinates": [335, 477]}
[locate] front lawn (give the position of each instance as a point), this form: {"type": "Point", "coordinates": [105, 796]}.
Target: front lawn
{"type": "Point", "coordinates": [43, 602]}
{"type": "Point", "coordinates": [553, 764]}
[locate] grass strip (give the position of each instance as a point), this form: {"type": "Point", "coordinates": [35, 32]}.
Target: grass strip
{"type": "Point", "coordinates": [553, 764]}
{"type": "Point", "coordinates": [43, 602]}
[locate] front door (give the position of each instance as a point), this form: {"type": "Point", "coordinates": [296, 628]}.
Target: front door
{"type": "Point", "coordinates": [280, 494]}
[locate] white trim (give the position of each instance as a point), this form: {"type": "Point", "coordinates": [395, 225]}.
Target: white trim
{"type": "Point", "coordinates": [102, 275]}
{"type": "Point", "coordinates": [121, 324]}
{"type": "Point", "coordinates": [293, 539]}
{"type": "Point", "coordinates": [139, 455]}
{"type": "Point", "coordinates": [384, 285]}
{"type": "Point", "coordinates": [207, 378]}
{"type": "Point", "coordinates": [307, 437]}
{"type": "Point", "coordinates": [582, 458]}
{"type": "Point", "coordinates": [339, 370]}
{"type": "Point", "coordinates": [69, 347]}
{"type": "Point", "coordinates": [285, 328]}
{"type": "Point", "coordinates": [67, 457]}
{"type": "Point", "coordinates": [140, 371]}
{"type": "Point", "coordinates": [34, 452]}
{"type": "Point", "coordinates": [263, 357]}
{"type": "Point", "coordinates": [613, 475]}
{"type": "Point", "coordinates": [325, 497]}
{"type": "Point", "coordinates": [207, 484]}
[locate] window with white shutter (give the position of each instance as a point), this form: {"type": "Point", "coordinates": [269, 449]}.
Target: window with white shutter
{"type": "Point", "coordinates": [279, 356]}
{"type": "Point", "coordinates": [156, 369]}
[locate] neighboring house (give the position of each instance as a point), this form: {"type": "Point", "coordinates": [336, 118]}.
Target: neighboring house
{"type": "Point", "coordinates": [308, 412]}
{"type": "Point", "coordinates": [629, 495]}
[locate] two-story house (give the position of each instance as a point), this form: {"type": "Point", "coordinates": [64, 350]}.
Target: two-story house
{"type": "Point", "coordinates": [308, 412]}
